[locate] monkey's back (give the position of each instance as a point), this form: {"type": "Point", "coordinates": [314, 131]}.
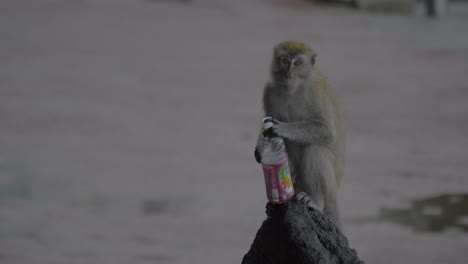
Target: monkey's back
{"type": "Point", "coordinates": [336, 116]}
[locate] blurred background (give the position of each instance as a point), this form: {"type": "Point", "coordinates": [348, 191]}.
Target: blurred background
{"type": "Point", "coordinates": [127, 127]}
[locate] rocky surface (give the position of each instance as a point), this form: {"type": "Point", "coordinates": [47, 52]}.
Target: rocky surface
{"type": "Point", "coordinates": [296, 233]}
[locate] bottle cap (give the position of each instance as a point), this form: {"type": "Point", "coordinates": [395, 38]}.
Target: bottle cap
{"type": "Point", "coordinates": [267, 122]}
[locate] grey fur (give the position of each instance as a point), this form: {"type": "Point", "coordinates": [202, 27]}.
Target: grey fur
{"type": "Point", "coordinates": [308, 118]}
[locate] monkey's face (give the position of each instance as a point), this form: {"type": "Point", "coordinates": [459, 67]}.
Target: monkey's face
{"type": "Point", "coordinates": [290, 70]}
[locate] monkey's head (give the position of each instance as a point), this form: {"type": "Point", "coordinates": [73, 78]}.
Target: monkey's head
{"type": "Point", "coordinates": [292, 64]}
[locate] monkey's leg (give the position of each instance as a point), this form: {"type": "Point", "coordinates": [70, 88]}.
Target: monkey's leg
{"type": "Point", "coordinates": [307, 132]}
{"type": "Point", "coordinates": [317, 179]}
{"type": "Point", "coordinates": [331, 207]}
{"type": "Point", "coordinates": [308, 175]}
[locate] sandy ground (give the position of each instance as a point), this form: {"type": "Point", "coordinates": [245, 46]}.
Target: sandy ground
{"type": "Point", "coordinates": [127, 127]}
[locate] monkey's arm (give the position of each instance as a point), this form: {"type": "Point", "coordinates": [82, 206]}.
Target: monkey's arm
{"type": "Point", "coordinates": [306, 132]}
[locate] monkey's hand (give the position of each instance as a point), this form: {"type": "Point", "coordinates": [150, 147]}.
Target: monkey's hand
{"type": "Point", "coordinates": [259, 147]}
{"type": "Point", "coordinates": [269, 133]}
{"type": "Point", "coordinates": [258, 156]}
{"type": "Point", "coordinates": [279, 128]}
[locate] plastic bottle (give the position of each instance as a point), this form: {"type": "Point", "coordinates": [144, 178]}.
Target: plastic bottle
{"type": "Point", "coordinates": [278, 182]}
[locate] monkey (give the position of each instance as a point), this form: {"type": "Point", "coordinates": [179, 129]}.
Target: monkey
{"type": "Point", "coordinates": [306, 114]}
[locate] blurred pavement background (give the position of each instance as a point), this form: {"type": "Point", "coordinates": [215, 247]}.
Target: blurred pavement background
{"type": "Point", "coordinates": [127, 128]}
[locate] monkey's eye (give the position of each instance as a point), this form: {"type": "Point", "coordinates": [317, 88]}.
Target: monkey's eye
{"type": "Point", "coordinates": [285, 61]}
{"type": "Point", "coordinates": [298, 62]}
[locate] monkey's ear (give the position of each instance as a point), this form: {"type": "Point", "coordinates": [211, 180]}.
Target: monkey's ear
{"type": "Point", "coordinates": [313, 58]}
{"type": "Point", "coordinates": [276, 51]}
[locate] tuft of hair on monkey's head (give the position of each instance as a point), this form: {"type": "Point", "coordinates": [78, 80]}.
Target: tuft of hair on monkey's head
{"type": "Point", "coordinates": [292, 63]}
{"type": "Point", "coordinates": [295, 48]}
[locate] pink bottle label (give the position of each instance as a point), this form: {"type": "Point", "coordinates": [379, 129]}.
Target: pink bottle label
{"type": "Point", "coordinates": [278, 182]}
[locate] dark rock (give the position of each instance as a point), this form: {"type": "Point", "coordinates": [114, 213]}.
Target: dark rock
{"type": "Point", "coordinates": [295, 233]}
